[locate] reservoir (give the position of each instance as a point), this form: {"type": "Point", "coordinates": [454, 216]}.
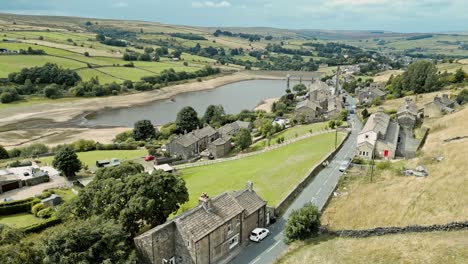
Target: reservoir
{"type": "Point", "coordinates": [233, 97]}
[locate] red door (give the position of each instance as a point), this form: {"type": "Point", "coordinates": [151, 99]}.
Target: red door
{"type": "Point", "coordinates": [385, 153]}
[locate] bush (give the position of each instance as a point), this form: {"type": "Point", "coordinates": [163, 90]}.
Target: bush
{"type": "Point", "coordinates": [19, 206]}
{"type": "Point", "coordinates": [83, 145]}
{"type": "Point", "coordinates": [18, 163]}
{"type": "Point", "coordinates": [36, 208]}
{"type": "Point", "coordinates": [41, 226]}
{"type": "Point", "coordinates": [46, 213]}
{"type": "Point", "coordinates": [383, 165]}
{"type": "Point", "coordinates": [303, 223]}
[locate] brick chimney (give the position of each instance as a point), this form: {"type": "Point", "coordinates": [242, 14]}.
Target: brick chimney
{"type": "Point", "coordinates": [249, 186]}
{"type": "Point", "coordinates": [205, 201]}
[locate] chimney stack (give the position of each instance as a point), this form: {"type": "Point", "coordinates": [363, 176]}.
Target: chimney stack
{"type": "Point", "coordinates": [205, 201]}
{"type": "Point", "coordinates": [249, 186]}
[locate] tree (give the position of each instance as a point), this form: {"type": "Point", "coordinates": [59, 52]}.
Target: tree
{"type": "Point", "coordinates": [3, 153]}
{"type": "Point", "coordinates": [144, 130]}
{"type": "Point", "coordinates": [123, 136]}
{"type": "Point", "coordinates": [462, 97]}
{"type": "Point", "coordinates": [86, 54]}
{"type": "Point", "coordinates": [90, 241]}
{"type": "Point", "coordinates": [459, 75]}
{"type": "Point", "coordinates": [187, 120]}
{"type": "Point", "coordinates": [303, 223]}
{"type": "Point", "coordinates": [133, 198]}
{"type": "Point", "coordinates": [365, 113]}
{"type": "Point", "coordinates": [343, 115]}
{"type": "Point", "coordinates": [243, 139]}
{"type": "Point", "coordinates": [149, 50]}
{"type": "Point", "coordinates": [52, 91]}
{"type": "Point", "coordinates": [100, 37]}
{"type": "Point", "coordinates": [67, 161]}
{"type": "Point", "coordinates": [214, 115]}
{"type": "Point", "coordinates": [9, 95]}
{"type": "Point", "coordinates": [299, 88]}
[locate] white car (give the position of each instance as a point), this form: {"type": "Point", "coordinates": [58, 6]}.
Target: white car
{"type": "Point", "coordinates": [258, 234]}
{"type": "Point", "coordinates": [344, 165]}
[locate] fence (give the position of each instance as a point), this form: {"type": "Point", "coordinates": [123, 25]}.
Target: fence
{"type": "Point", "coordinates": [287, 142]}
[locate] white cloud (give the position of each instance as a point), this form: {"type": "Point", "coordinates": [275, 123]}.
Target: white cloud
{"type": "Point", "coordinates": [211, 4]}
{"type": "Point", "coordinates": [120, 5]}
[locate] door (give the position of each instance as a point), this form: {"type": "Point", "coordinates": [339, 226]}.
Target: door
{"type": "Point", "coordinates": [386, 153]}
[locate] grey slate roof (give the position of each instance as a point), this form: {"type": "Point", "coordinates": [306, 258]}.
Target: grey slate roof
{"type": "Point", "coordinates": [408, 106]}
{"type": "Point", "coordinates": [308, 104]}
{"type": "Point", "coordinates": [392, 133]}
{"type": "Point", "coordinates": [249, 200]}
{"type": "Point", "coordinates": [204, 132]}
{"type": "Point", "coordinates": [199, 222]}
{"type": "Point", "coordinates": [377, 122]}
{"type": "Point", "coordinates": [445, 100]}
{"type": "Point", "coordinates": [219, 141]}
{"type": "Point", "coordinates": [187, 139]}
{"type": "Point", "coordinates": [319, 85]}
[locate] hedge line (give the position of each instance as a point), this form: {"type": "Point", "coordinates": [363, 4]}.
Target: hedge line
{"type": "Point", "coordinates": [3, 204]}
{"type": "Point", "coordinates": [41, 226]}
{"type": "Point", "coordinates": [15, 208]}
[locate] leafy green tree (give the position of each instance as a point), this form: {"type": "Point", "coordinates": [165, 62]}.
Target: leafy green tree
{"type": "Point", "coordinates": [100, 37]}
{"type": "Point", "coordinates": [144, 130]}
{"type": "Point", "coordinates": [9, 95]}
{"type": "Point", "coordinates": [167, 130]}
{"type": "Point", "coordinates": [89, 241]}
{"type": "Point", "coordinates": [303, 223]}
{"type": "Point", "coordinates": [462, 97]}
{"type": "Point", "coordinates": [187, 120]}
{"type": "Point", "coordinates": [21, 253]}
{"type": "Point", "coordinates": [214, 115]}
{"type": "Point", "coordinates": [3, 153]}
{"type": "Point", "coordinates": [343, 115]}
{"type": "Point", "coordinates": [123, 136]}
{"type": "Point", "coordinates": [459, 75]}
{"type": "Point", "coordinates": [84, 145]}
{"type": "Point", "coordinates": [420, 77]}
{"type": "Point", "coordinates": [67, 161]}
{"type": "Point", "coordinates": [131, 197]}
{"type": "Point", "coordinates": [243, 139]}
{"type": "Point", "coordinates": [365, 113]}
{"type": "Point", "coordinates": [9, 235]}
{"type": "Point", "coordinates": [299, 88]}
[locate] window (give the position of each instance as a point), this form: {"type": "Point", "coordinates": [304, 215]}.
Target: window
{"type": "Point", "coordinates": [229, 227]}
{"type": "Point", "coordinates": [233, 241]}
{"type": "Point", "coordinates": [238, 222]}
{"type": "Point", "coordinates": [172, 260]}
{"type": "Point", "coordinates": [367, 136]}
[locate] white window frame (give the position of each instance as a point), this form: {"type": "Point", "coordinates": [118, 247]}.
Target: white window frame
{"type": "Point", "coordinates": [229, 228]}
{"type": "Point", "coordinates": [235, 243]}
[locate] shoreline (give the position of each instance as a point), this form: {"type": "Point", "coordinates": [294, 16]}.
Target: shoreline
{"type": "Point", "coordinates": [70, 112]}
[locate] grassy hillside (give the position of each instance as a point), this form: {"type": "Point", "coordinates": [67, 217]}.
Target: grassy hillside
{"type": "Point", "coordinates": [428, 248]}
{"type": "Point", "coordinates": [392, 199]}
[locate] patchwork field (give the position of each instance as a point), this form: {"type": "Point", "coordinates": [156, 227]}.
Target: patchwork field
{"type": "Point", "coordinates": [427, 248]}
{"type": "Point", "coordinates": [274, 173]}
{"type": "Point", "coordinates": [395, 200]}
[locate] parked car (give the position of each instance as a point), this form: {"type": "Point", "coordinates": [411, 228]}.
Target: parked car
{"type": "Point", "coordinates": [258, 234]}
{"type": "Point", "coordinates": [149, 158]}
{"type": "Point", "coordinates": [344, 165]}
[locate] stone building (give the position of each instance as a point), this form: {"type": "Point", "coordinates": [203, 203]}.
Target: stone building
{"type": "Point", "coordinates": [220, 147]}
{"type": "Point", "coordinates": [366, 95]}
{"type": "Point", "coordinates": [439, 106]}
{"type": "Point", "coordinates": [323, 102]}
{"type": "Point", "coordinates": [231, 129]}
{"type": "Point", "coordinates": [407, 114]}
{"type": "Point", "coordinates": [378, 138]}
{"type": "Point", "coordinates": [192, 144]}
{"type": "Point", "coordinates": [212, 232]}
{"type": "Point", "coordinates": [308, 110]}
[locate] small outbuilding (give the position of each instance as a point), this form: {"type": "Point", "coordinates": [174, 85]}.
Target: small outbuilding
{"type": "Point", "coordinates": [52, 200]}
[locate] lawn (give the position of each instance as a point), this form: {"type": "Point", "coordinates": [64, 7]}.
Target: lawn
{"type": "Point", "coordinates": [274, 173]}
{"type": "Point", "coordinates": [66, 194]}
{"type": "Point", "coordinates": [20, 220]}
{"type": "Point", "coordinates": [89, 158]}
{"type": "Point", "coordinates": [87, 74]}
{"type": "Point", "coordinates": [292, 133]}
{"type": "Point", "coordinates": [15, 63]}
{"type": "Point", "coordinates": [440, 247]}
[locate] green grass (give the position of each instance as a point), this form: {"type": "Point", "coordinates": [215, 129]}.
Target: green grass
{"type": "Point", "coordinates": [87, 74]}
{"type": "Point", "coordinates": [89, 158]}
{"type": "Point", "coordinates": [20, 220]}
{"type": "Point", "coordinates": [25, 46]}
{"type": "Point", "coordinates": [66, 194]}
{"type": "Point", "coordinates": [14, 63]}
{"type": "Point", "coordinates": [33, 100]}
{"type": "Point", "coordinates": [274, 173]}
{"type": "Point", "coordinates": [291, 133]}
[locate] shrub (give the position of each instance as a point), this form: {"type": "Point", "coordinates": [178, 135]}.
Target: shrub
{"type": "Point", "coordinates": [19, 206]}
{"type": "Point", "coordinates": [36, 208]}
{"type": "Point", "coordinates": [303, 223]}
{"type": "Point", "coordinates": [46, 213]}
{"type": "Point", "coordinates": [383, 165]}
{"type": "Point", "coordinates": [84, 145]}
{"type": "Point", "coordinates": [41, 226]}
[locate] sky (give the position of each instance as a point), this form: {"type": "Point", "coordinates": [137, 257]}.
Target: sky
{"type": "Point", "coordinates": [391, 15]}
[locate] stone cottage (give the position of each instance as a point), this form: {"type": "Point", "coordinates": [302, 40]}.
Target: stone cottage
{"type": "Point", "coordinates": [366, 95]}
{"type": "Point", "coordinates": [378, 138]}
{"type": "Point", "coordinates": [231, 129]}
{"type": "Point", "coordinates": [308, 110]}
{"type": "Point", "coordinates": [212, 232]}
{"type": "Point", "coordinates": [439, 106]}
{"type": "Point", "coordinates": [407, 117]}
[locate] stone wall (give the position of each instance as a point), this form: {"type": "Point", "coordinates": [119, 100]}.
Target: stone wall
{"type": "Point", "coordinates": [381, 231]}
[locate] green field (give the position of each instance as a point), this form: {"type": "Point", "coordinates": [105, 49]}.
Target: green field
{"type": "Point", "coordinates": [20, 220]}
{"type": "Point", "coordinates": [292, 133]}
{"type": "Point", "coordinates": [89, 158]}
{"type": "Point", "coordinates": [274, 173]}
{"type": "Point", "coordinates": [14, 63]}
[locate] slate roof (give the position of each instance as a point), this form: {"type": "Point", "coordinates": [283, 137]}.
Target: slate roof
{"type": "Point", "coordinates": [187, 139]}
{"type": "Point", "coordinates": [219, 141]}
{"type": "Point", "coordinates": [308, 104]}
{"type": "Point", "coordinates": [319, 85]}
{"type": "Point", "coordinates": [228, 128]}
{"type": "Point", "coordinates": [408, 106]}
{"type": "Point", "coordinates": [52, 197]}
{"type": "Point", "coordinates": [249, 200]}
{"type": "Point", "coordinates": [392, 133]}
{"type": "Point", "coordinates": [199, 222]}
{"type": "Point", "coordinates": [377, 122]}
{"type": "Point", "coordinates": [204, 132]}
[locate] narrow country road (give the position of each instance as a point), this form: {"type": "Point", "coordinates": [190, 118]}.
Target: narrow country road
{"type": "Point", "coordinates": [317, 192]}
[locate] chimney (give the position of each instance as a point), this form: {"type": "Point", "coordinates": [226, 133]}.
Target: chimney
{"type": "Point", "coordinates": [205, 201]}
{"type": "Point", "coordinates": [249, 186]}
{"type": "Point", "coordinates": [185, 132]}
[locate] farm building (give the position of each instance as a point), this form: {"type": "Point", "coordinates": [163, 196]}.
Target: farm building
{"type": "Point", "coordinates": [52, 200]}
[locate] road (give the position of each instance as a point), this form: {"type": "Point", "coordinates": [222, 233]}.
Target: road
{"type": "Point", "coordinates": [317, 192]}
